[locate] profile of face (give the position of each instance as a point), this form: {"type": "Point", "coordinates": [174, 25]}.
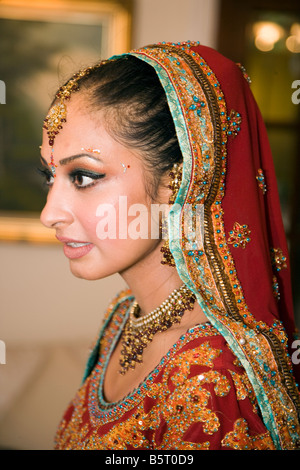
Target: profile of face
{"type": "Point", "coordinates": [97, 194]}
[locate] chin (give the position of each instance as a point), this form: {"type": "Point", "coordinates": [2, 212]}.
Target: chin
{"type": "Point", "coordinates": [88, 273]}
{"type": "Point", "coordinates": [82, 272]}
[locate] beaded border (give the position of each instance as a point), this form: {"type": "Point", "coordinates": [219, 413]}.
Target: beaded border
{"type": "Point", "coordinates": [99, 409]}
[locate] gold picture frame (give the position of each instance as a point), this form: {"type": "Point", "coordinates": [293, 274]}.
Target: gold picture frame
{"type": "Point", "coordinates": [111, 21]}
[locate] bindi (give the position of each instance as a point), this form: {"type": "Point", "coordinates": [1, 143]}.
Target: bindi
{"type": "Point", "coordinates": [125, 167]}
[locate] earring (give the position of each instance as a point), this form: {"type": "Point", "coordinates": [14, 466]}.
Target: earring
{"type": "Point", "coordinates": [174, 185]}
{"type": "Point", "coordinates": [175, 182]}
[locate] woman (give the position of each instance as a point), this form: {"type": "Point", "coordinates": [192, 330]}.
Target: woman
{"type": "Point", "coordinates": [195, 355]}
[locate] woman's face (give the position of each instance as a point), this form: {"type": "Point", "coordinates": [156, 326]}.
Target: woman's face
{"type": "Point", "coordinates": [93, 195]}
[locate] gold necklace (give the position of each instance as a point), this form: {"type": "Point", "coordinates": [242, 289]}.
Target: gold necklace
{"type": "Point", "coordinates": [139, 330]}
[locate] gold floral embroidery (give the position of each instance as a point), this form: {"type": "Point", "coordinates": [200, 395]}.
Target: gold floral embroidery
{"type": "Point", "coordinates": [239, 438]}
{"type": "Point", "coordinates": [177, 404]}
{"type": "Point", "coordinates": [244, 388]}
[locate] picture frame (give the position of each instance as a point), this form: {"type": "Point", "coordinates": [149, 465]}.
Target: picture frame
{"type": "Point", "coordinates": [43, 43]}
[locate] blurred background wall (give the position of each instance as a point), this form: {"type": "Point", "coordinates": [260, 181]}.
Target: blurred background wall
{"type": "Point", "coordinates": [49, 318]}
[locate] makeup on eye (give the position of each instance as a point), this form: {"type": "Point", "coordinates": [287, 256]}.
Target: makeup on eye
{"type": "Point", "coordinates": [83, 178]}
{"type": "Point", "coordinates": [46, 174]}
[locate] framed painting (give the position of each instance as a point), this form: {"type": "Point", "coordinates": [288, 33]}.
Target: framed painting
{"type": "Point", "coordinates": [41, 44]}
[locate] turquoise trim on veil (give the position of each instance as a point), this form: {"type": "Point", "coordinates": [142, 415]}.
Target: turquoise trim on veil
{"type": "Point", "coordinates": [175, 236]}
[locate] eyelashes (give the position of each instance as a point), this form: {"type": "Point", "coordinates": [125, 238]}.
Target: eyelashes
{"type": "Point", "coordinates": [80, 178]}
{"type": "Point", "coordinates": [84, 178]}
{"type": "Point", "coordinates": [46, 174]}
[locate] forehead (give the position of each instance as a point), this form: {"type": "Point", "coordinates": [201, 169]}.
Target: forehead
{"type": "Point", "coordinates": [68, 121]}
{"type": "Point", "coordinates": [84, 131]}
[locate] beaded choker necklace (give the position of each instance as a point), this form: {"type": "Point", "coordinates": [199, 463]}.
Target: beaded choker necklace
{"type": "Point", "coordinates": [139, 331]}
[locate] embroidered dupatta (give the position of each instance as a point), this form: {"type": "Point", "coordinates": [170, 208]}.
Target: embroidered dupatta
{"type": "Point", "coordinates": [232, 254]}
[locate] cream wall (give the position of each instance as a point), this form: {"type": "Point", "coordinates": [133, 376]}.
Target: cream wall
{"type": "Point", "coordinates": [175, 20]}
{"type": "Point", "coordinates": [48, 317]}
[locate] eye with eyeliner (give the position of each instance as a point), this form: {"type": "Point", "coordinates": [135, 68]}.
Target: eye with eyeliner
{"type": "Point", "coordinates": [46, 174]}
{"type": "Point", "coordinates": [80, 177]}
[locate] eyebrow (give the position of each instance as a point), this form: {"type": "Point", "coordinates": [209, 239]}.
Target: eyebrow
{"type": "Point", "coordinates": [65, 161]}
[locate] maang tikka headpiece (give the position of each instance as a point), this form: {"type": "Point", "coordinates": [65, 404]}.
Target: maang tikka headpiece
{"type": "Point", "coordinates": [57, 115]}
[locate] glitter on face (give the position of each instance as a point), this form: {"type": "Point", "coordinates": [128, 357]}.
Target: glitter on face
{"type": "Point", "coordinates": [90, 150]}
{"type": "Point", "coordinates": [52, 164]}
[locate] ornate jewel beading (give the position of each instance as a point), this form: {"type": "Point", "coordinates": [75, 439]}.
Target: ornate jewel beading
{"type": "Point", "coordinates": [245, 74]}
{"type": "Point", "coordinates": [139, 331]}
{"type": "Point", "coordinates": [275, 287]}
{"type": "Point", "coordinates": [174, 185]}
{"type": "Point", "coordinates": [57, 115]}
{"type": "Point", "coordinates": [233, 123]}
{"type": "Point", "coordinates": [261, 181]}
{"type": "Point", "coordinates": [278, 259]}
{"type": "Point", "coordinates": [54, 120]}
{"type": "Point", "coordinates": [175, 181]}
{"type": "Point", "coordinates": [239, 236]}
{"type": "Point", "coordinates": [197, 105]}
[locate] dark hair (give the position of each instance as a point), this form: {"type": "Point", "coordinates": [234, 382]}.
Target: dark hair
{"type": "Point", "coordinates": [129, 91]}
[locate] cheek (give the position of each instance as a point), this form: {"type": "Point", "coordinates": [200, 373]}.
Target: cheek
{"type": "Point", "coordinates": [118, 211]}
{"type": "Point", "coordinates": [120, 223]}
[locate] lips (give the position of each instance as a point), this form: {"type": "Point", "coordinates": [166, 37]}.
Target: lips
{"type": "Point", "coordinates": [74, 249]}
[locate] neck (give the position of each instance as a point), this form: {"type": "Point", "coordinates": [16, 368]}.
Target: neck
{"type": "Point", "coordinates": [151, 282]}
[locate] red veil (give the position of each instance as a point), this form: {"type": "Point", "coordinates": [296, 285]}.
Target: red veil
{"type": "Point", "coordinates": [240, 272]}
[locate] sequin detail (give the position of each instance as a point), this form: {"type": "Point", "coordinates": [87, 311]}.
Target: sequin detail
{"type": "Point", "coordinates": [261, 181]}
{"type": "Point", "coordinates": [275, 287]}
{"type": "Point", "coordinates": [239, 236]}
{"type": "Point", "coordinates": [278, 259]}
{"type": "Point", "coordinates": [244, 72]}
{"type": "Point", "coordinates": [54, 120]}
{"type": "Point", "coordinates": [239, 438]}
{"type": "Point", "coordinates": [233, 123]}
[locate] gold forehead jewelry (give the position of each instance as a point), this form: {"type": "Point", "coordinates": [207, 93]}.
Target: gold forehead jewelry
{"type": "Point", "coordinates": [57, 114]}
{"type": "Point", "coordinates": [140, 330]}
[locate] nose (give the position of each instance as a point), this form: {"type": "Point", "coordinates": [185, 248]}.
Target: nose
{"type": "Point", "coordinates": [57, 211]}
